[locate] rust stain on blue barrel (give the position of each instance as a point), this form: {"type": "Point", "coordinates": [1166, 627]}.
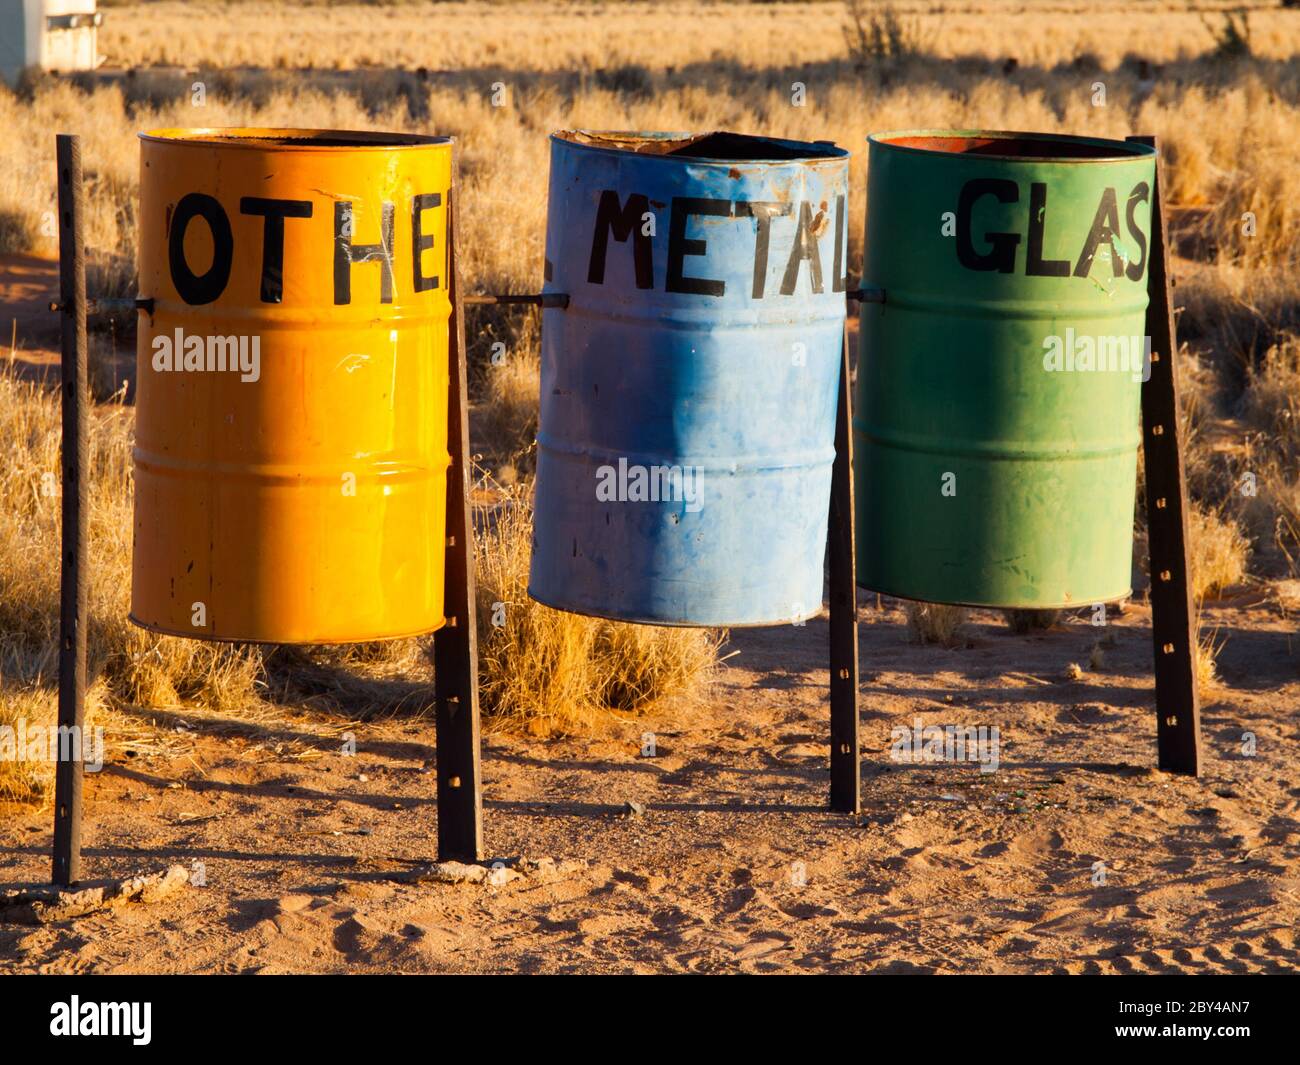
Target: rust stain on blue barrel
{"type": "Point", "coordinates": [688, 390]}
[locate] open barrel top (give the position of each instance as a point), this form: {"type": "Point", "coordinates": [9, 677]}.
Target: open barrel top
{"type": "Point", "coordinates": [292, 139]}
{"type": "Point", "coordinates": [719, 147]}
{"type": "Point", "coordinates": [1013, 145]}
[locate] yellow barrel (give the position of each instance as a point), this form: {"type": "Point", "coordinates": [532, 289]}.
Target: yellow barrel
{"type": "Point", "coordinates": [292, 380]}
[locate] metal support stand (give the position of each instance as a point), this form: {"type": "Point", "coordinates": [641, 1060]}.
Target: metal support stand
{"type": "Point", "coordinates": [72, 556]}
{"type": "Point", "coordinates": [1173, 620]}
{"type": "Point", "coordinates": [455, 645]}
{"type": "Point", "coordinates": [846, 759]}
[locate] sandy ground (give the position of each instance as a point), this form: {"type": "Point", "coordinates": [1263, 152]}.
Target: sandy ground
{"type": "Point", "coordinates": [29, 331]}
{"type": "Point", "coordinates": [735, 864]}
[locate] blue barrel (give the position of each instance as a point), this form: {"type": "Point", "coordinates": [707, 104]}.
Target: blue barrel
{"type": "Point", "coordinates": [688, 390]}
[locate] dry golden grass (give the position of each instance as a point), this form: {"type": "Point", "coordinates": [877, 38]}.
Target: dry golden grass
{"type": "Point", "coordinates": [1264, 489]}
{"type": "Point", "coordinates": [1207, 654]}
{"type": "Point", "coordinates": [127, 666]}
{"type": "Point", "coordinates": [564, 36]}
{"type": "Point", "coordinates": [547, 672]}
{"type": "Point", "coordinates": [1027, 621]}
{"type": "Point", "coordinates": [510, 396]}
{"type": "Point", "coordinates": [138, 666]}
{"type": "Point", "coordinates": [30, 711]}
{"type": "Point", "coordinates": [935, 622]}
{"type": "Point", "coordinates": [24, 779]}
{"type": "Point", "coordinates": [1271, 403]}
{"type": "Point", "coordinates": [1274, 515]}
{"type": "Point", "coordinates": [1226, 126]}
{"type": "Point", "coordinates": [1219, 552]}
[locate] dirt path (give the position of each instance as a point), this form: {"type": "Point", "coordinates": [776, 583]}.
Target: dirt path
{"type": "Point", "coordinates": [735, 865]}
{"type": "Point", "coordinates": [29, 332]}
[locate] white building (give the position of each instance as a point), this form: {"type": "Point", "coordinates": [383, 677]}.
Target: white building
{"type": "Point", "coordinates": [55, 35]}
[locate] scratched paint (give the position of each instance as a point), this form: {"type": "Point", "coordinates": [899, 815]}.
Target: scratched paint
{"type": "Point", "coordinates": [987, 471]}
{"type": "Point", "coordinates": [308, 505]}
{"type": "Point", "coordinates": [688, 390]}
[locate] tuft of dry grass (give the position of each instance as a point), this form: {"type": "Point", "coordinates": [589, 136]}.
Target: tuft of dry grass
{"type": "Point", "coordinates": [1270, 407]}
{"type": "Point", "coordinates": [1274, 515]}
{"type": "Point", "coordinates": [1218, 552]}
{"type": "Point", "coordinates": [546, 672]}
{"type": "Point", "coordinates": [18, 231]}
{"type": "Point", "coordinates": [637, 666]}
{"type": "Point", "coordinates": [1097, 657]}
{"type": "Point", "coordinates": [1207, 653]}
{"type": "Point", "coordinates": [935, 622]}
{"type": "Point", "coordinates": [876, 33]}
{"type": "Point", "coordinates": [1027, 621]}
{"type": "Point", "coordinates": [1271, 401]}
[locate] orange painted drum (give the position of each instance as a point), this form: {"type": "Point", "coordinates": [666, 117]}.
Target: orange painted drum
{"type": "Point", "coordinates": [292, 382]}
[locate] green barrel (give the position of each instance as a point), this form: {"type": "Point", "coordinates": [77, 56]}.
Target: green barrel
{"type": "Point", "coordinates": [996, 418]}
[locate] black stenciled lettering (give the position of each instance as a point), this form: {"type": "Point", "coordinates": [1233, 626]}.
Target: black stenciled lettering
{"type": "Point", "coordinates": [1035, 264]}
{"type": "Point", "coordinates": [1104, 229]}
{"type": "Point", "coordinates": [623, 222]}
{"type": "Point", "coordinates": [762, 211]}
{"type": "Point", "coordinates": [346, 253]}
{"type": "Point", "coordinates": [1001, 255]}
{"type": "Point", "coordinates": [680, 246]}
{"type": "Point", "coordinates": [804, 249]}
{"type": "Point", "coordinates": [1140, 194]}
{"type": "Point", "coordinates": [421, 241]}
{"type": "Point", "coordinates": [197, 289]}
{"type": "Point", "coordinates": [274, 212]}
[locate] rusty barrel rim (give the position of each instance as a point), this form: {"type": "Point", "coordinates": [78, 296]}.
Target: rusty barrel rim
{"type": "Point", "coordinates": [672, 147]}
{"type": "Point", "coordinates": [287, 138]}
{"type": "Point", "coordinates": [1070, 148]}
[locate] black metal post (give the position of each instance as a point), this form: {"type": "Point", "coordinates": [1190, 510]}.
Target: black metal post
{"type": "Point", "coordinates": [455, 645]}
{"type": "Point", "coordinates": [72, 554]}
{"type": "Point", "coordinates": [1173, 619]}
{"type": "Point", "coordinates": [846, 773]}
